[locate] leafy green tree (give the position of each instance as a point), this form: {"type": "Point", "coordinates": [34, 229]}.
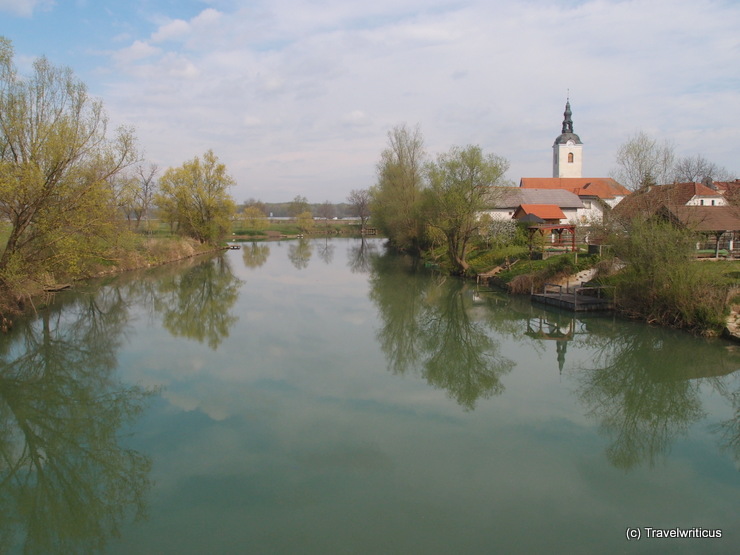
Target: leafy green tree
{"type": "Point", "coordinates": [305, 221]}
{"type": "Point", "coordinates": [660, 284]}
{"type": "Point", "coordinates": [56, 167]}
{"type": "Point", "coordinates": [461, 185]}
{"type": "Point", "coordinates": [397, 195]}
{"type": "Point", "coordinates": [254, 218]}
{"type": "Point", "coordinates": [298, 206]}
{"type": "Point", "coordinates": [194, 198]}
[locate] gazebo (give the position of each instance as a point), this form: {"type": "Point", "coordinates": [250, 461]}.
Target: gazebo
{"type": "Point", "coordinates": [558, 229]}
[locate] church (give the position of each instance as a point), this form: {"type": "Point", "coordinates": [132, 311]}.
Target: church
{"type": "Point", "coordinates": [596, 193]}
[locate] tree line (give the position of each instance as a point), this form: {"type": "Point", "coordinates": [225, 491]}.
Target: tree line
{"type": "Point", "coordinates": [65, 178]}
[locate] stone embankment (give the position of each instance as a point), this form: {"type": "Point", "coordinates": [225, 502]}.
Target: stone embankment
{"type": "Point", "coordinates": [732, 328]}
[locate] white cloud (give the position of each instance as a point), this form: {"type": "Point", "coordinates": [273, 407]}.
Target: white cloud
{"type": "Point", "coordinates": [138, 50]}
{"type": "Point", "coordinates": [282, 91]}
{"type": "Point", "coordinates": [172, 30]}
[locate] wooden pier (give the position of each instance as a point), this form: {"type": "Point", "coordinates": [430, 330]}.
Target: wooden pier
{"type": "Point", "coordinates": [581, 298]}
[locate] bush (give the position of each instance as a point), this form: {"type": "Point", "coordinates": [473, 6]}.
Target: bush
{"type": "Point", "coordinates": [662, 284]}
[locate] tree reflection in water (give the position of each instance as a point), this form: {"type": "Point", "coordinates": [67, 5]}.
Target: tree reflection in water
{"type": "Point", "coordinates": [255, 255]}
{"type": "Point", "coordinates": [427, 327]}
{"type": "Point", "coordinates": [361, 255]}
{"type": "Point", "coordinates": [196, 303]}
{"type": "Point", "coordinates": [644, 389]}
{"type": "Point", "coordinates": [299, 253]}
{"type": "Point", "coordinates": [66, 485]}
{"type": "Point", "coordinates": [326, 250]}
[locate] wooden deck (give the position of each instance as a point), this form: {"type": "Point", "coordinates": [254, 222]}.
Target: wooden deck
{"type": "Point", "coordinates": [576, 299]}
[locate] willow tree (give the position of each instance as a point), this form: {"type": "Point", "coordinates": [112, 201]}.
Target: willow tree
{"type": "Point", "coordinates": [195, 200]}
{"type": "Point", "coordinates": [396, 197]}
{"type": "Point", "coordinates": [461, 185]}
{"type": "Point", "coordinates": [56, 168]}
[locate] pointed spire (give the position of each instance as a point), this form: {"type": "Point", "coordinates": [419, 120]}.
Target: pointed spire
{"type": "Point", "coordinates": [567, 121]}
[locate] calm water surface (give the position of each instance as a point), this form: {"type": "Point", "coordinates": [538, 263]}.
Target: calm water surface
{"type": "Point", "coordinates": [324, 397]}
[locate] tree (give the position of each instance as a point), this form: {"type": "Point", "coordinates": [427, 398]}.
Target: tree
{"type": "Point", "coordinates": [396, 197]}
{"type": "Point", "coordinates": [326, 211]}
{"type": "Point", "coordinates": [359, 200]}
{"type": "Point", "coordinates": [254, 218]}
{"type": "Point", "coordinates": [194, 198]}
{"type": "Point", "coordinates": [56, 168]}
{"type": "Point", "coordinates": [298, 206]}
{"type": "Point", "coordinates": [697, 169]}
{"type": "Point", "coordinates": [304, 221]}
{"type": "Point", "coordinates": [642, 160]}
{"type": "Point", "coordinates": [460, 183]}
{"type": "Point", "coordinates": [145, 191]}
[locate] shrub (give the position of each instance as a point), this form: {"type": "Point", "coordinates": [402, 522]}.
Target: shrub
{"type": "Point", "coordinates": [662, 284]}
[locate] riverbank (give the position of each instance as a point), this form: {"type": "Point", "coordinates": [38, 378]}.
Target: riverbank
{"type": "Point", "coordinates": [148, 252]}
{"type": "Point", "coordinates": [709, 308]}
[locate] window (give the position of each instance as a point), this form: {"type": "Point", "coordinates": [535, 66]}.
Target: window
{"type": "Point", "coordinates": [570, 157]}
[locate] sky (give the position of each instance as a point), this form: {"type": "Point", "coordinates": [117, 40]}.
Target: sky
{"type": "Point", "coordinates": [297, 97]}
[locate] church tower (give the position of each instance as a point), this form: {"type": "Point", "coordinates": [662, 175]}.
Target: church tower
{"type": "Point", "coordinates": [567, 152]}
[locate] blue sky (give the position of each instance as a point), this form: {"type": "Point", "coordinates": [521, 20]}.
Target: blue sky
{"type": "Point", "coordinates": [297, 97]}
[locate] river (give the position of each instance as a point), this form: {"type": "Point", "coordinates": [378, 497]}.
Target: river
{"type": "Point", "coordinates": [323, 396]}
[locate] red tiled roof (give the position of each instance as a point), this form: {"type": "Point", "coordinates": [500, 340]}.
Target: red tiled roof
{"type": "Point", "coordinates": [601, 187]}
{"type": "Point", "coordinates": [684, 192]}
{"type": "Point", "coordinates": [544, 211]}
{"type": "Point", "coordinates": [647, 201]}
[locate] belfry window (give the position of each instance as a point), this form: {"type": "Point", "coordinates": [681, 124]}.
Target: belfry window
{"type": "Point", "coordinates": [570, 157]}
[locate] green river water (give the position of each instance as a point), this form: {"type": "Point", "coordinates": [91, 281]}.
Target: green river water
{"type": "Point", "coordinates": [323, 396]}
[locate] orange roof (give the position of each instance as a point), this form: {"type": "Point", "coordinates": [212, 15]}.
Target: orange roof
{"type": "Point", "coordinates": [544, 211]}
{"type": "Point", "coordinates": [601, 187]}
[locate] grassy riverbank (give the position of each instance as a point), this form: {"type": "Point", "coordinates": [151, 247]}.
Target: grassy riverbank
{"type": "Point", "coordinates": [696, 294]}
{"type": "Point", "coordinates": [133, 251]}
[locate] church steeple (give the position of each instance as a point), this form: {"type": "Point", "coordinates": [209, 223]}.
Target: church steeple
{"type": "Point", "coordinates": [567, 120]}
{"type": "Point", "coordinates": [567, 149]}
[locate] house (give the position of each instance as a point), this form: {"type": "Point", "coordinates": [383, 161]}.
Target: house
{"type": "Point", "coordinates": [648, 201]}
{"type": "Point", "coordinates": [598, 194]}
{"type": "Point", "coordinates": [505, 201]}
{"type": "Point", "coordinates": [728, 189]}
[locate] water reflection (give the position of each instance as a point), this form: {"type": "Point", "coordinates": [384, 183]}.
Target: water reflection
{"type": "Point", "coordinates": [299, 253]}
{"type": "Point", "coordinates": [428, 326]}
{"type": "Point", "coordinates": [255, 255]}
{"type": "Point", "coordinates": [66, 483]}
{"type": "Point", "coordinates": [326, 250]}
{"type": "Point", "coordinates": [360, 256]}
{"type": "Point", "coordinates": [196, 303]}
{"type": "Point", "coordinates": [644, 389]}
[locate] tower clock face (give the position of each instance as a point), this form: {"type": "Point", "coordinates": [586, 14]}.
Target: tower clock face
{"type": "Point", "coordinates": [571, 142]}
